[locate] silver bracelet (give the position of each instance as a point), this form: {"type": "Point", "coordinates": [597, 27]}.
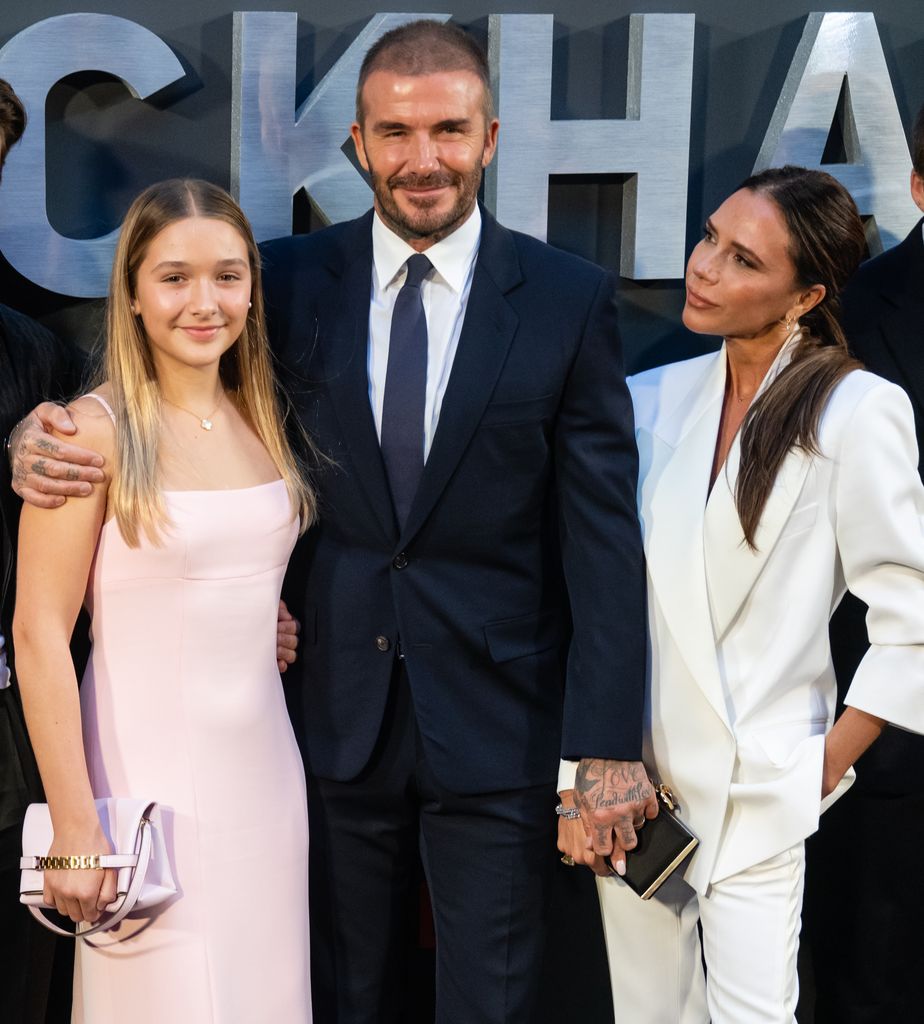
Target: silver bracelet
{"type": "Point", "coordinates": [570, 813]}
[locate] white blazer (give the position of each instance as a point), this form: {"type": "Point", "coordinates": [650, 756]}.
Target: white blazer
{"type": "Point", "coordinates": [742, 688]}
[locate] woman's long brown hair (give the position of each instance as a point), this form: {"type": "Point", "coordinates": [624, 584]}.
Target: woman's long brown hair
{"type": "Point", "coordinates": [826, 244]}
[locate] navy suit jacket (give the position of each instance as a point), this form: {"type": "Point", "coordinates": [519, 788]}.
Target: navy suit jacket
{"type": "Point", "coordinates": [516, 586]}
{"type": "Point", "coordinates": [884, 320]}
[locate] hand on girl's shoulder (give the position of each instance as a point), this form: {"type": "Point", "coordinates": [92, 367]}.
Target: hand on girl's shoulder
{"type": "Point", "coordinates": [95, 427]}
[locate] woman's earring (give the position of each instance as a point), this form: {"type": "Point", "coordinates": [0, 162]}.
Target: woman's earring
{"type": "Point", "coordinates": [250, 305]}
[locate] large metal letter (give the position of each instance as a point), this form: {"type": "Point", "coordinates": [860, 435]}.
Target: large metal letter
{"type": "Point", "coordinates": [652, 144]}
{"type": "Point", "coordinates": [835, 47]}
{"type": "Point", "coordinates": [32, 62]}
{"type": "Point", "coordinates": [276, 150]}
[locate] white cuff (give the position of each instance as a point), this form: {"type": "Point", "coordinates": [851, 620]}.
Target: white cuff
{"type": "Point", "coordinates": [567, 770]}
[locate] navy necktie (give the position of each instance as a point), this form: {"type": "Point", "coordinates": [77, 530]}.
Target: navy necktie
{"type": "Point", "coordinates": [406, 390]}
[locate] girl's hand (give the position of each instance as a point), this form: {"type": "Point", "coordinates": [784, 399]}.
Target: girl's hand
{"type": "Point", "coordinates": [81, 894]}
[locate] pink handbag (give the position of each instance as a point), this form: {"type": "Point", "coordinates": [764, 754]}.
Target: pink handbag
{"type": "Point", "coordinates": [135, 832]}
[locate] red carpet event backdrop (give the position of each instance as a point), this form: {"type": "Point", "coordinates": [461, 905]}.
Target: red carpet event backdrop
{"type": "Point", "coordinates": [622, 124]}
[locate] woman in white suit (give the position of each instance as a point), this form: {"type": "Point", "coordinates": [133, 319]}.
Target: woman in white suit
{"type": "Point", "coordinates": [774, 474]}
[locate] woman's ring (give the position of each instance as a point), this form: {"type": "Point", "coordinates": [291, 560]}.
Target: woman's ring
{"type": "Point", "coordinates": [567, 860]}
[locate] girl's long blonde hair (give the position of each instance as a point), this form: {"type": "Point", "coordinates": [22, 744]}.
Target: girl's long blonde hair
{"type": "Point", "coordinates": [245, 369]}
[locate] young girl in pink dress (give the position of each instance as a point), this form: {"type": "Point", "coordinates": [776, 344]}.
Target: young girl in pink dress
{"type": "Point", "coordinates": [179, 559]}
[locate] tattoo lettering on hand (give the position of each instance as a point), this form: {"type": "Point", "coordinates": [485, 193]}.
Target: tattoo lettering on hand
{"type": "Point", "coordinates": [602, 785]}
{"type": "Point", "coordinates": [40, 467]}
{"type": "Point", "coordinates": [47, 444]}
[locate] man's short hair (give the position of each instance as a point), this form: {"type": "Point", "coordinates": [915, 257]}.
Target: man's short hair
{"type": "Point", "coordinates": [425, 47]}
{"type": "Point", "coordinates": [917, 143]}
{"type": "Point", "coordinates": [12, 120]}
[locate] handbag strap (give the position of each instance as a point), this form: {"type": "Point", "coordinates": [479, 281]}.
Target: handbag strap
{"type": "Point", "coordinates": [131, 896]}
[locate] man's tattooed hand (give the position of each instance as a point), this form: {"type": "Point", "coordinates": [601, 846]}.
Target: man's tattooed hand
{"type": "Point", "coordinates": [615, 798]}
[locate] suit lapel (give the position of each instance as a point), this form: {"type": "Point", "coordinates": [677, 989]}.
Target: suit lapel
{"type": "Point", "coordinates": [344, 343]}
{"type": "Point", "coordinates": [732, 567]}
{"type": "Point", "coordinates": [487, 332]}
{"type": "Point", "coordinates": [673, 499]}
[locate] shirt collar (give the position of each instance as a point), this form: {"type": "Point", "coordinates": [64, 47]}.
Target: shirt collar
{"type": "Point", "coordinates": [452, 257]}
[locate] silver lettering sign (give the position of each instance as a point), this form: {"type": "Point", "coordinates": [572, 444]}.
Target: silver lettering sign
{"type": "Point", "coordinates": [652, 144]}
{"type": "Point", "coordinates": [277, 150]}
{"type": "Point", "coordinates": [838, 72]}
{"type": "Point", "coordinates": [840, 58]}
{"type": "Point", "coordinates": [32, 62]}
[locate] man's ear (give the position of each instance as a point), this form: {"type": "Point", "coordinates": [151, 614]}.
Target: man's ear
{"type": "Point", "coordinates": [356, 131]}
{"type": "Point", "coordinates": [917, 190]}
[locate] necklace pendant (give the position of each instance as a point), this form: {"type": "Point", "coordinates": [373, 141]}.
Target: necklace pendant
{"type": "Point", "coordinates": [205, 423]}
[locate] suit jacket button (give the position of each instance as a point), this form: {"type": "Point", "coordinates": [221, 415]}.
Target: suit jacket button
{"type": "Point", "coordinates": [383, 643]}
{"type": "Point", "coordinates": [399, 561]}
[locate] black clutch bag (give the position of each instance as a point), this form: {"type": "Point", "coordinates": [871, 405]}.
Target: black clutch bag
{"type": "Point", "coordinates": [663, 845]}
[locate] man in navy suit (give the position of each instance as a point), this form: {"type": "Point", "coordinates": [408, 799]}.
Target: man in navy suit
{"type": "Point", "coordinates": [440, 639]}
{"type": "Point", "coordinates": [865, 909]}
{"type": "Point", "coordinates": [473, 600]}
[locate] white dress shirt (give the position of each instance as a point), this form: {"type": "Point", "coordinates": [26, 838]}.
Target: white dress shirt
{"type": "Point", "coordinates": [445, 296]}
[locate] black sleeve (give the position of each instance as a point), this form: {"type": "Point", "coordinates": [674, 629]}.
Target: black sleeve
{"type": "Point", "coordinates": [35, 365]}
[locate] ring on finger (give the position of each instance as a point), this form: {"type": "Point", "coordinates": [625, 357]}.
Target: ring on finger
{"type": "Point", "coordinates": [567, 860]}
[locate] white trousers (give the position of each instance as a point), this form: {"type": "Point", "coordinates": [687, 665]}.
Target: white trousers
{"type": "Point", "coordinates": [750, 939]}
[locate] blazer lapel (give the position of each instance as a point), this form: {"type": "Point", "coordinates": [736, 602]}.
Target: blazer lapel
{"type": "Point", "coordinates": [487, 332]}
{"type": "Point", "coordinates": [732, 568]}
{"type": "Point", "coordinates": [344, 343]}
{"type": "Point", "coordinates": [672, 502]}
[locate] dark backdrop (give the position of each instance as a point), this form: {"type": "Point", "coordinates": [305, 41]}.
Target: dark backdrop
{"type": "Point", "coordinates": [104, 146]}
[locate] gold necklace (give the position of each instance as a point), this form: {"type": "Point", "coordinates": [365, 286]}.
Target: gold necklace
{"type": "Point", "coordinates": [205, 422]}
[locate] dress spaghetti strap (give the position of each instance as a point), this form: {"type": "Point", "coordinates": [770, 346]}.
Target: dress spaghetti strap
{"type": "Point", "coordinates": [102, 401]}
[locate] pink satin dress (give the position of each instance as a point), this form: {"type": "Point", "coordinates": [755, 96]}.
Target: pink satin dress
{"type": "Point", "coordinates": [182, 703]}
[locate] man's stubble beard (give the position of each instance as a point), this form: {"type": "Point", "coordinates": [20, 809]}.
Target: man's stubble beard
{"type": "Point", "coordinates": [432, 227]}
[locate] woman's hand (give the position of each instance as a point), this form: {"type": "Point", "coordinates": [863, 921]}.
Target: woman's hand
{"type": "Point", "coordinates": [572, 840]}
{"type": "Point", "coordinates": [81, 894]}
{"type": "Point", "coordinates": [850, 736]}
{"type": "Point", "coordinates": [830, 775]}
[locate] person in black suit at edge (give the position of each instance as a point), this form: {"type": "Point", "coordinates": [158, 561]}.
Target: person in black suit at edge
{"type": "Point", "coordinates": [473, 600]}
{"type": "Point", "coordinates": [33, 365]}
{"type": "Point", "coordinates": [866, 897]}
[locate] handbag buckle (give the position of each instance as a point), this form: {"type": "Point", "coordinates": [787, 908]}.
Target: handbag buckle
{"type": "Point", "coordinates": [666, 795]}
